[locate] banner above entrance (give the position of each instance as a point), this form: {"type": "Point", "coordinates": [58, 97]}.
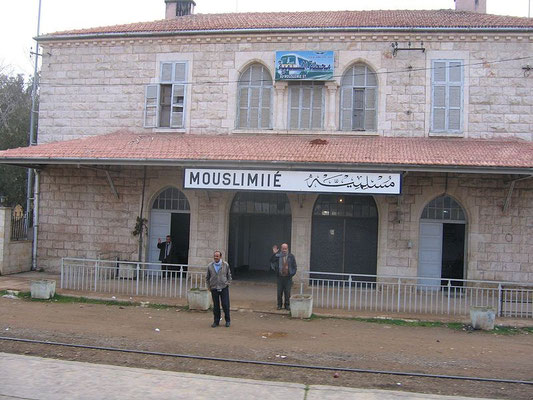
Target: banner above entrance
{"type": "Point", "coordinates": [293, 181]}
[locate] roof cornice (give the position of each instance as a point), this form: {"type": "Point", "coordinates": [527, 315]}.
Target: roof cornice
{"type": "Point", "coordinates": [206, 32]}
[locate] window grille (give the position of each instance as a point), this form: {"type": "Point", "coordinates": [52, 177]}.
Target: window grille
{"type": "Point", "coordinates": [261, 203]}
{"type": "Point", "coordinates": [345, 206]}
{"type": "Point", "coordinates": [171, 199]}
{"type": "Point", "coordinates": [444, 208]}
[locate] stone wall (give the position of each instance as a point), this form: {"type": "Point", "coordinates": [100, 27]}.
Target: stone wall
{"type": "Point", "coordinates": [80, 217]}
{"type": "Point", "coordinates": [95, 87]}
{"type": "Point", "coordinates": [15, 256]}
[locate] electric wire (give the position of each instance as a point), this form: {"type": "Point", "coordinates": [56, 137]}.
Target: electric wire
{"type": "Point", "coordinates": [268, 363]}
{"type": "Point", "coordinates": [225, 82]}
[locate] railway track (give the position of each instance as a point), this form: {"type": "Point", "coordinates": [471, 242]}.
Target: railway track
{"type": "Point", "coordinates": [264, 363]}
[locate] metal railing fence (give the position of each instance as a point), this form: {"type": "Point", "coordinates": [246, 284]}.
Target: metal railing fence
{"type": "Point", "coordinates": [417, 295]}
{"type": "Point", "coordinates": [373, 293]}
{"type": "Point", "coordinates": [19, 226]}
{"type": "Point", "coordinates": [130, 278]}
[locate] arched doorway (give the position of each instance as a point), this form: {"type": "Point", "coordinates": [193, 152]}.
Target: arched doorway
{"type": "Point", "coordinates": [345, 235]}
{"type": "Point", "coordinates": [257, 221]}
{"type": "Point", "coordinates": [170, 215]}
{"type": "Point", "coordinates": [442, 242]}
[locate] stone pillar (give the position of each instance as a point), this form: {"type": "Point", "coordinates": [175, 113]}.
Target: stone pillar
{"type": "Point", "coordinates": [5, 236]}
{"type": "Point", "coordinates": [280, 108]}
{"type": "Point", "coordinates": [331, 99]}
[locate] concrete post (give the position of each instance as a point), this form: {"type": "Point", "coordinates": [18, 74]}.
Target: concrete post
{"type": "Point", "coordinates": [5, 236]}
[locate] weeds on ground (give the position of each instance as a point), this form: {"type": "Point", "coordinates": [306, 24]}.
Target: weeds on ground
{"type": "Point", "coordinates": [458, 326]}
{"type": "Point", "coordinates": [62, 299]}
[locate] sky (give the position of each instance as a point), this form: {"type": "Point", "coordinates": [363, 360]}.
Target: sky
{"type": "Point", "coordinates": [18, 18]}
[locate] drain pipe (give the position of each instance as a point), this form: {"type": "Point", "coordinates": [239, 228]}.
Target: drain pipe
{"type": "Point", "coordinates": [35, 220]}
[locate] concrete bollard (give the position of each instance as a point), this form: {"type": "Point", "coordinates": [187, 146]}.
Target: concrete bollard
{"type": "Point", "coordinates": [198, 299]}
{"type": "Point", "coordinates": [482, 317]}
{"type": "Point", "coordinates": [43, 289]}
{"type": "Point", "coordinates": [301, 306]}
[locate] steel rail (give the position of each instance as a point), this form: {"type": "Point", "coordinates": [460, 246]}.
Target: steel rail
{"type": "Point", "coordinates": [267, 363]}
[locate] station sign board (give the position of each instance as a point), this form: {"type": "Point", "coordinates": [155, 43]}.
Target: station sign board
{"type": "Point", "coordinates": [294, 181]}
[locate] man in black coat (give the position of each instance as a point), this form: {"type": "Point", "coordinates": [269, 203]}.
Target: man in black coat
{"type": "Point", "coordinates": [284, 263]}
{"type": "Point", "coordinates": [167, 252]}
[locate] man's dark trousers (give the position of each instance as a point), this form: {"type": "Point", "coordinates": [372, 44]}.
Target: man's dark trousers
{"type": "Point", "coordinates": [284, 289]}
{"type": "Point", "coordinates": [220, 297]}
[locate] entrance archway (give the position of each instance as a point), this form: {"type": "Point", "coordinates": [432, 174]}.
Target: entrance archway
{"type": "Point", "coordinates": [442, 242]}
{"type": "Point", "coordinates": [257, 221]}
{"type": "Point", "coordinates": [170, 215]}
{"type": "Point", "coordinates": [345, 235]}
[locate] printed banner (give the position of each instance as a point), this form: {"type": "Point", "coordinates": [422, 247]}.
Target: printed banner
{"type": "Point", "coordinates": [293, 181]}
{"type": "Point", "coordinates": [304, 65]}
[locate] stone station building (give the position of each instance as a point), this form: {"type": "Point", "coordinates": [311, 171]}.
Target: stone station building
{"type": "Point", "coordinates": [146, 119]}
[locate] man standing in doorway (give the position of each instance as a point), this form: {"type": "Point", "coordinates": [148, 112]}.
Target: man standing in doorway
{"type": "Point", "coordinates": [218, 279]}
{"type": "Point", "coordinates": [285, 268]}
{"type": "Point", "coordinates": [166, 252]}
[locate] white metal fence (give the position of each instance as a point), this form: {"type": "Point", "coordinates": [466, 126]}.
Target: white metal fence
{"type": "Point", "coordinates": [130, 278]}
{"type": "Point", "coordinates": [414, 295]}
{"type": "Point", "coordinates": [417, 294]}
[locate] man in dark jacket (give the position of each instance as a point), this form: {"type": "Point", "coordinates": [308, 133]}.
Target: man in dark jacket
{"type": "Point", "coordinates": [167, 252]}
{"type": "Point", "coordinates": [284, 264]}
{"type": "Point", "coordinates": [218, 279]}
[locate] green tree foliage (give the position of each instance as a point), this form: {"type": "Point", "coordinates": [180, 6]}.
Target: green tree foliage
{"type": "Point", "coordinates": [15, 106]}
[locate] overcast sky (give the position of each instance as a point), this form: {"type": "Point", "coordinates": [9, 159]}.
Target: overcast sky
{"type": "Point", "coordinates": [18, 18]}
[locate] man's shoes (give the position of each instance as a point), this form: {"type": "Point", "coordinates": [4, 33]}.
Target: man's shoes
{"type": "Point", "coordinates": [214, 325]}
{"type": "Point", "coordinates": [227, 324]}
{"type": "Point", "coordinates": [279, 307]}
{"type": "Point", "coordinates": [288, 308]}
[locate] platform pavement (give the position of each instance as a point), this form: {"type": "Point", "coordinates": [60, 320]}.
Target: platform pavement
{"type": "Point", "coordinates": [244, 295]}
{"type": "Point", "coordinates": [36, 378]}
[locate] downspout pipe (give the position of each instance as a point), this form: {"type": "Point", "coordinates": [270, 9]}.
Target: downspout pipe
{"type": "Point", "coordinates": [34, 266]}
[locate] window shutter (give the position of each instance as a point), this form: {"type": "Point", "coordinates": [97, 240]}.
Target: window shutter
{"type": "Point", "coordinates": [439, 71]}
{"type": "Point", "coordinates": [318, 107]}
{"type": "Point", "coordinates": [447, 96]}
{"type": "Point", "coordinates": [166, 72]}
{"type": "Point", "coordinates": [346, 108]}
{"type": "Point", "coordinates": [358, 121]}
{"type": "Point", "coordinates": [253, 107]}
{"type": "Point", "coordinates": [266, 101]}
{"type": "Point", "coordinates": [370, 109]}
{"type": "Point", "coordinates": [151, 106]}
{"type": "Point", "coordinates": [180, 70]}
{"type": "Point", "coordinates": [178, 106]}
{"type": "Point", "coordinates": [294, 108]}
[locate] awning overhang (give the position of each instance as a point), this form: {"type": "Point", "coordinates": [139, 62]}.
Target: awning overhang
{"type": "Point", "coordinates": [284, 152]}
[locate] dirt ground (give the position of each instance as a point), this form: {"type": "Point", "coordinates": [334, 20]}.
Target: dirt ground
{"type": "Point", "coordinates": [278, 338]}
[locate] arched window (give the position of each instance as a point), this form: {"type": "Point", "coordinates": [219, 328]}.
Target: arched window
{"type": "Point", "coordinates": [358, 99]}
{"type": "Point", "coordinates": [255, 98]}
{"type": "Point", "coordinates": [444, 208]}
{"type": "Point", "coordinates": [171, 199]}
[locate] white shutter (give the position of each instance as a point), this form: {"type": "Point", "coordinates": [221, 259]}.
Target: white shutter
{"type": "Point", "coordinates": [358, 120]}
{"type": "Point", "coordinates": [447, 96]}
{"type": "Point", "coordinates": [180, 71]}
{"type": "Point", "coordinates": [178, 106]}
{"type": "Point", "coordinates": [266, 101]}
{"type": "Point", "coordinates": [166, 72]}
{"type": "Point", "coordinates": [346, 108]}
{"type": "Point", "coordinates": [294, 107]}
{"type": "Point", "coordinates": [318, 107]}
{"type": "Point", "coordinates": [370, 109]}
{"type": "Point", "coordinates": [151, 106]}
